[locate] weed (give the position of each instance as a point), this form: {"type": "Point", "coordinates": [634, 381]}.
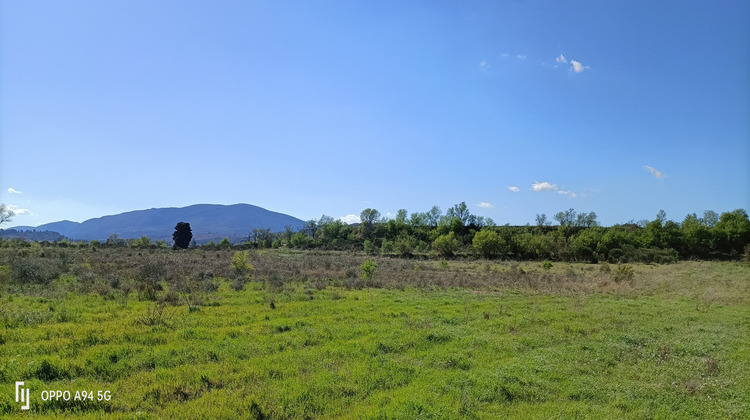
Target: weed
{"type": "Point", "coordinates": [623, 273]}
{"type": "Point", "coordinates": [157, 314]}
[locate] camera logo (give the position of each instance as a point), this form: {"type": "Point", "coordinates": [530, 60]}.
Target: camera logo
{"type": "Point", "coordinates": [23, 398]}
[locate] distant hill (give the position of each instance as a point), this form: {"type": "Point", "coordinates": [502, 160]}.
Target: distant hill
{"type": "Point", "coordinates": [30, 234]}
{"type": "Point", "coordinates": [207, 221]}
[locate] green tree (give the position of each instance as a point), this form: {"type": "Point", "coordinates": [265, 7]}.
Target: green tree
{"type": "Point", "coordinates": [418, 220]}
{"type": "Point", "coordinates": [461, 212]}
{"type": "Point", "coordinates": [732, 232]}
{"type": "Point", "coordinates": [488, 243]}
{"type": "Point", "coordinates": [262, 237]}
{"type": "Point", "coordinates": [710, 218]}
{"type": "Point", "coordinates": [405, 244]}
{"type": "Point", "coordinates": [300, 240]}
{"type": "Point", "coordinates": [433, 216]}
{"type": "Point", "coordinates": [566, 218]}
{"type": "Point", "coordinates": [225, 244]}
{"type": "Point", "coordinates": [115, 240]}
{"type": "Point", "coordinates": [368, 217]}
{"type": "Point", "coordinates": [586, 220]}
{"type": "Point", "coordinates": [182, 235]}
{"type": "Point", "coordinates": [367, 270]}
{"type": "Point", "coordinates": [401, 215]}
{"type": "Point", "coordinates": [696, 238]}
{"type": "Point", "coordinates": [446, 245]}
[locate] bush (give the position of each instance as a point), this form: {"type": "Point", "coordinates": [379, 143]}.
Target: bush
{"type": "Point", "coordinates": [240, 263]}
{"type": "Point", "coordinates": [405, 245]}
{"type": "Point", "coordinates": [148, 281]}
{"type": "Point", "coordinates": [488, 243]}
{"type": "Point", "coordinates": [446, 245]}
{"type": "Point", "coordinates": [300, 240]}
{"type": "Point", "coordinates": [156, 315]}
{"type": "Point", "coordinates": [547, 265]}
{"type": "Point", "coordinates": [369, 247]}
{"type": "Point", "coordinates": [623, 273]}
{"type": "Point", "coordinates": [28, 270]}
{"type": "Point", "coordinates": [368, 270]}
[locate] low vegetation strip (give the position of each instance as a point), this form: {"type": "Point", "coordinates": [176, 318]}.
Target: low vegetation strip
{"type": "Point", "coordinates": [272, 334]}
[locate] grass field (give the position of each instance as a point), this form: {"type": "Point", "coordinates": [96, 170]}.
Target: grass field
{"type": "Point", "coordinates": [462, 339]}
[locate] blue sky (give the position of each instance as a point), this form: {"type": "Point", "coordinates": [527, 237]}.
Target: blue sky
{"type": "Point", "coordinates": [312, 108]}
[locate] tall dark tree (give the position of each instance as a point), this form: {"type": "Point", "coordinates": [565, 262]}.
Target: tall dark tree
{"type": "Point", "coordinates": [368, 217]}
{"type": "Point", "coordinates": [182, 235]}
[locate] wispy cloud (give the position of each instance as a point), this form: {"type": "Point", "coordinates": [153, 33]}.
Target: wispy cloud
{"type": "Point", "coordinates": [485, 205]}
{"type": "Point", "coordinates": [576, 66]}
{"type": "Point", "coordinates": [655, 172]}
{"type": "Point", "coordinates": [570, 194]}
{"type": "Point", "coordinates": [350, 218]}
{"type": "Point", "coordinates": [483, 65]}
{"type": "Point", "coordinates": [543, 186]}
{"type": "Point", "coordinates": [504, 55]}
{"type": "Point", "coordinates": [514, 188]}
{"type": "Point", "coordinates": [14, 191]}
{"type": "Point", "coordinates": [18, 211]}
{"type": "Point", "coordinates": [521, 57]}
{"type": "Point", "coordinates": [561, 59]}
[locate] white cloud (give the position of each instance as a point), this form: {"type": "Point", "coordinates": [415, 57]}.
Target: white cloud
{"type": "Point", "coordinates": [656, 173]}
{"type": "Point", "coordinates": [483, 65]}
{"type": "Point", "coordinates": [561, 59]}
{"type": "Point", "coordinates": [522, 57]}
{"type": "Point", "coordinates": [576, 66]}
{"type": "Point", "coordinates": [543, 186]}
{"type": "Point", "coordinates": [570, 194]}
{"type": "Point", "coordinates": [485, 205]}
{"type": "Point", "coordinates": [504, 55]}
{"type": "Point", "coordinates": [18, 211]}
{"type": "Point", "coordinates": [350, 218]}
{"type": "Point", "coordinates": [514, 188]}
{"type": "Point", "coordinates": [14, 191]}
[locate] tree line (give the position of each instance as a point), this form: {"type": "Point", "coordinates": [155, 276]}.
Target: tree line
{"type": "Point", "coordinates": [458, 233]}
{"type": "Point", "coordinates": [574, 237]}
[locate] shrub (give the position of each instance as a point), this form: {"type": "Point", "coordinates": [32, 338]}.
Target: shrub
{"type": "Point", "coordinates": [148, 279]}
{"type": "Point", "coordinates": [488, 243]}
{"type": "Point", "coordinates": [369, 247]}
{"type": "Point", "coordinates": [27, 270]}
{"type": "Point", "coordinates": [623, 273]}
{"type": "Point", "coordinates": [367, 270]}
{"type": "Point", "coordinates": [240, 263]}
{"type": "Point", "coordinates": [546, 265]}
{"type": "Point", "coordinates": [446, 245]}
{"type": "Point", "coordinates": [156, 315]}
{"type": "Point", "coordinates": [605, 267]}
{"type": "Point", "coordinates": [300, 240]}
{"type": "Point", "coordinates": [405, 245]}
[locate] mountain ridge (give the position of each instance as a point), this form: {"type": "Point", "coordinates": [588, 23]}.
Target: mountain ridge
{"type": "Point", "coordinates": [207, 221]}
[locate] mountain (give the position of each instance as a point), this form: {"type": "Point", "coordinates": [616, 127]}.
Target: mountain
{"type": "Point", "coordinates": [30, 234]}
{"type": "Point", "coordinates": [207, 221]}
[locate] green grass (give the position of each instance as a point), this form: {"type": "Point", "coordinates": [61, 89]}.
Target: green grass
{"type": "Point", "coordinates": [674, 342]}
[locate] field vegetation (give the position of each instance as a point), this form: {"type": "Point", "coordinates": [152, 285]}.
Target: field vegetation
{"type": "Point", "coordinates": [285, 333]}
